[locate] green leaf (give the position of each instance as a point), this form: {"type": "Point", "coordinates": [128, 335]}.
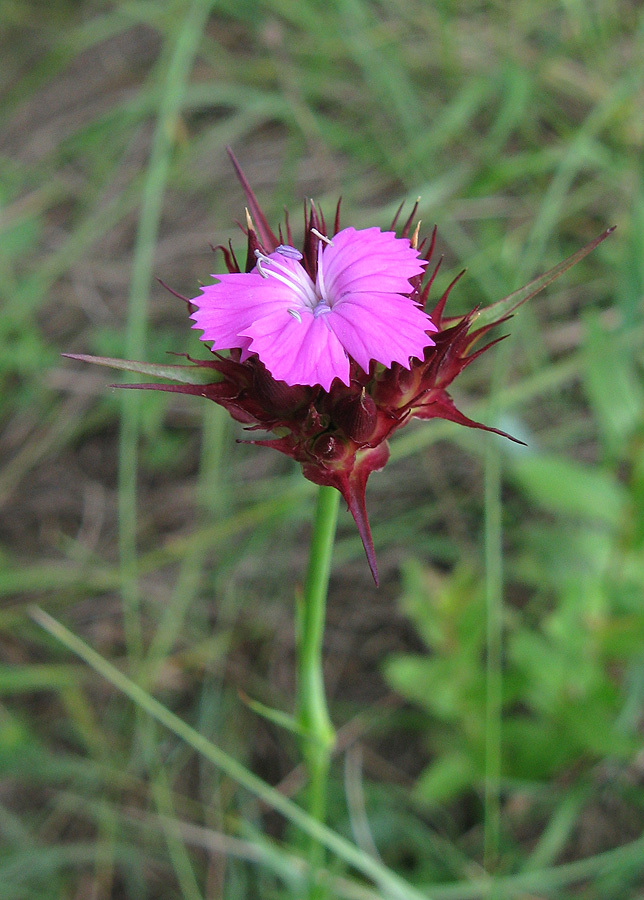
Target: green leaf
{"type": "Point", "coordinates": [491, 314]}
{"type": "Point", "coordinates": [563, 486]}
{"type": "Point", "coordinates": [612, 385]}
{"type": "Point", "coordinates": [276, 716]}
{"type": "Point", "coordinates": [185, 374]}
{"type": "Point", "coordinates": [411, 675]}
{"type": "Point", "coordinates": [445, 778]}
{"type": "Point", "coordinates": [27, 678]}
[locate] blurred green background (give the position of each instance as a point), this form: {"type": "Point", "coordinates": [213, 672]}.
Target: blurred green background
{"type": "Point", "coordinates": [489, 695]}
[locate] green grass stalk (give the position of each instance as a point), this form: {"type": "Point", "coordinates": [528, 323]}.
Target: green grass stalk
{"type": "Point", "coordinates": [177, 71]}
{"type": "Point", "coordinates": [389, 883]}
{"type": "Point", "coordinates": [494, 672]}
{"type": "Point", "coordinates": [493, 543]}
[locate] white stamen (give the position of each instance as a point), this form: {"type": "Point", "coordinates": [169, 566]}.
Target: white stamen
{"type": "Point", "coordinates": [260, 260]}
{"type": "Point", "coordinates": [295, 277]}
{"type": "Point", "coordinates": [320, 276]}
{"type": "Point", "coordinates": [297, 280]}
{"type": "Point", "coordinates": [322, 237]}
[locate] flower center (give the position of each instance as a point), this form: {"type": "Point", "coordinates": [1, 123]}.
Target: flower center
{"type": "Point", "coordinates": [322, 308]}
{"type": "Point", "coordinates": [296, 278]}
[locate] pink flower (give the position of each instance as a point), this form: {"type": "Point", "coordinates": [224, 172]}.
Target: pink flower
{"type": "Point", "coordinates": [306, 329]}
{"type": "Point", "coordinates": [330, 348]}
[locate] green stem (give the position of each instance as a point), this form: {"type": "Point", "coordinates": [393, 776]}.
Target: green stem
{"type": "Point", "coordinates": [494, 673]}
{"type": "Point", "coordinates": [494, 628]}
{"type": "Point", "coordinates": [312, 713]}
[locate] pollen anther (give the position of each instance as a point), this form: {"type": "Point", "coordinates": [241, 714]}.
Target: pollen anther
{"type": "Point", "coordinates": [289, 252]}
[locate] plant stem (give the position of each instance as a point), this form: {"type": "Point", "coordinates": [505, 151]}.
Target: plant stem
{"type": "Point", "coordinates": [494, 629]}
{"type": "Point", "coordinates": [494, 672]}
{"type": "Point", "coordinates": [312, 714]}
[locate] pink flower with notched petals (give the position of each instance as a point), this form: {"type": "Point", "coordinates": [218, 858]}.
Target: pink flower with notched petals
{"type": "Point", "coordinates": [305, 332]}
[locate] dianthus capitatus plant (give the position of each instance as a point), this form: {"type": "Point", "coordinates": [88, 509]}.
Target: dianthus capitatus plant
{"type": "Point", "coordinates": [329, 349]}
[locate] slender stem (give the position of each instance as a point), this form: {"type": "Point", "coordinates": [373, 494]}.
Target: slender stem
{"type": "Point", "coordinates": [494, 628]}
{"type": "Point", "coordinates": [312, 713]}
{"type": "Point", "coordinates": [493, 674]}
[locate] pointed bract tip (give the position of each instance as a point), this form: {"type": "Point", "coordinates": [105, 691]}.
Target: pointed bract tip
{"type": "Point", "coordinates": [502, 308]}
{"type": "Point", "coordinates": [264, 231]}
{"type": "Point", "coordinates": [356, 506]}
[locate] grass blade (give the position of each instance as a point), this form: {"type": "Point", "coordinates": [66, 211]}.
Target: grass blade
{"type": "Point", "coordinates": [389, 883]}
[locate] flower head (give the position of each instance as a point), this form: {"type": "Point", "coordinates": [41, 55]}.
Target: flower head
{"type": "Point", "coordinates": [305, 327]}
{"type": "Point", "coordinates": [330, 348]}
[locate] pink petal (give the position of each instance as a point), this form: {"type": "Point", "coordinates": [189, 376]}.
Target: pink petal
{"type": "Point", "coordinates": [369, 260]}
{"type": "Point", "coordinates": [385, 327]}
{"type": "Point", "coordinates": [306, 352]}
{"type": "Point", "coordinates": [228, 308]}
